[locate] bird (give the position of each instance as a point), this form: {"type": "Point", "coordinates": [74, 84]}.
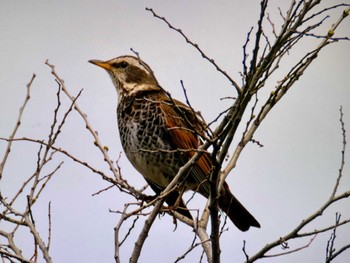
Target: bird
{"type": "Point", "coordinates": [160, 134]}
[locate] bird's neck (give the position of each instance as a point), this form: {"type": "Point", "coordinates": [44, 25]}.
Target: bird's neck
{"type": "Point", "coordinates": [134, 90]}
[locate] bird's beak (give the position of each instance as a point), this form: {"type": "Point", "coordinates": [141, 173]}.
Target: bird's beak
{"type": "Point", "coordinates": [101, 64]}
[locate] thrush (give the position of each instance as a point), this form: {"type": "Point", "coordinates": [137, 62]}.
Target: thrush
{"type": "Point", "coordinates": [159, 135]}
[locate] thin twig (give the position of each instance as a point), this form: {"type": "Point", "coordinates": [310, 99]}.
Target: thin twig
{"type": "Point", "coordinates": [330, 244]}
{"type": "Point", "coordinates": [292, 250]}
{"type": "Point", "coordinates": [97, 141]}
{"type": "Point", "coordinates": [18, 123]}
{"type": "Point", "coordinates": [50, 227]}
{"type": "Point", "coordinates": [238, 89]}
{"type": "Point", "coordinates": [342, 162]}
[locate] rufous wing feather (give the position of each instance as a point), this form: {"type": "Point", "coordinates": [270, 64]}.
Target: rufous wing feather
{"type": "Point", "coordinates": [184, 128]}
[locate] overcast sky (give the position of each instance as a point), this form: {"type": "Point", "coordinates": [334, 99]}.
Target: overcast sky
{"type": "Point", "coordinates": [281, 183]}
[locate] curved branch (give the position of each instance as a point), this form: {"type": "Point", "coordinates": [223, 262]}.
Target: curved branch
{"type": "Point", "coordinates": [238, 89]}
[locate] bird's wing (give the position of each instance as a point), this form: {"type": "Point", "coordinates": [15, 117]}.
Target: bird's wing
{"type": "Point", "coordinates": [184, 128]}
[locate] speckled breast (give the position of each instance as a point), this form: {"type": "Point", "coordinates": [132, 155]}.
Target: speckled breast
{"type": "Point", "coordinates": [146, 141]}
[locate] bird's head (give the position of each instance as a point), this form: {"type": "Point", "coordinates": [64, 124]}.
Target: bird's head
{"type": "Point", "coordinates": [129, 74]}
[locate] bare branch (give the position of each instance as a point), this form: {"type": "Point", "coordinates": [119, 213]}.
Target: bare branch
{"type": "Point", "coordinates": [190, 249]}
{"type": "Point", "coordinates": [117, 243]}
{"type": "Point", "coordinates": [38, 239]}
{"type": "Point", "coordinates": [295, 232]}
{"type": "Point", "coordinates": [245, 55]}
{"type": "Point", "coordinates": [253, 62]}
{"type": "Point", "coordinates": [144, 233]}
{"type": "Point", "coordinates": [238, 89]}
{"type": "Point", "coordinates": [330, 244]}
{"type": "Point", "coordinates": [293, 250]}
{"type": "Point", "coordinates": [340, 251]}
{"type": "Point", "coordinates": [281, 89]}
{"type": "Point", "coordinates": [50, 225]}
{"type": "Point", "coordinates": [18, 123]}
{"type": "Point", "coordinates": [88, 125]}
{"type": "Point", "coordinates": [342, 162]}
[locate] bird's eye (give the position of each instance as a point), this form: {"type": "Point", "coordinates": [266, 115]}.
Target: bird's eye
{"type": "Point", "coordinates": [122, 64]}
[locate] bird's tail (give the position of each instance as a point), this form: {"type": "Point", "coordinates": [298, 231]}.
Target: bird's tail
{"type": "Point", "coordinates": [238, 214]}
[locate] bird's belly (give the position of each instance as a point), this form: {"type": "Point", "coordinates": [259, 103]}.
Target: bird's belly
{"type": "Point", "coordinates": [149, 153]}
{"type": "Point", "coordinates": [153, 171]}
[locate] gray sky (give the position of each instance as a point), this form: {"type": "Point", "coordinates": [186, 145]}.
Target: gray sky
{"type": "Point", "coordinates": [280, 183]}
